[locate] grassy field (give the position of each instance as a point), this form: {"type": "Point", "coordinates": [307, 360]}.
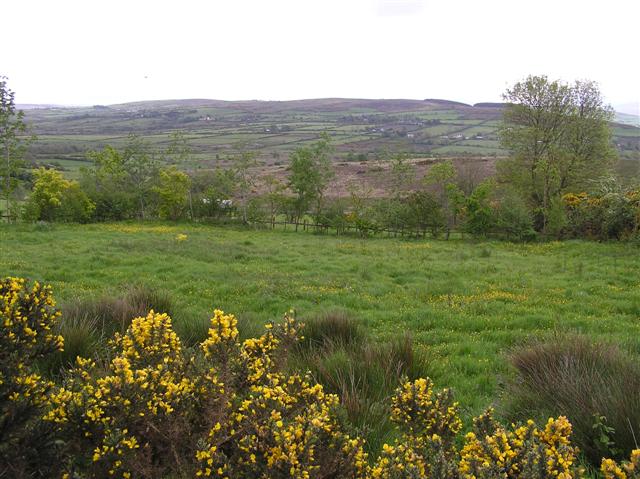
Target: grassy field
{"type": "Point", "coordinates": [465, 303]}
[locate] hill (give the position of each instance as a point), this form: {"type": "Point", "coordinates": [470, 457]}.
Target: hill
{"type": "Point", "coordinates": [361, 129]}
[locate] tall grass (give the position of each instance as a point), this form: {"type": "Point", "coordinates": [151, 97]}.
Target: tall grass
{"type": "Point", "coordinates": [88, 322]}
{"type": "Point", "coordinates": [596, 385]}
{"type": "Point", "coordinates": [344, 358]}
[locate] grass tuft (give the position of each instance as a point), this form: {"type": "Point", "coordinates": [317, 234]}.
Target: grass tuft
{"type": "Point", "coordinates": [596, 385]}
{"type": "Point", "coordinates": [344, 359]}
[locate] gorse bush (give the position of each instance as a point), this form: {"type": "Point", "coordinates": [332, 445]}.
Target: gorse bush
{"type": "Point", "coordinates": [626, 470]}
{"type": "Point", "coordinates": [596, 386]}
{"type": "Point", "coordinates": [27, 320]}
{"type": "Point", "coordinates": [154, 408]}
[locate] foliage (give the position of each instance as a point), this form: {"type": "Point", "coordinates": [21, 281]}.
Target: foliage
{"type": "Point", "coordinates": [591, 383]}
{"type": "Point", "coordinates": [479, 212]}
{"type": "Point", "coordinates": [310, 171]}
{"type": "Point", "coordinates": [609, 213]}
{"type": "Point", "coordinates": [626, 470]}
{"type": "Point", "coordinates": [559, 137]}
{"type": "Point", "coordinates": [441, 177]}
{"type": "Point", "coordinates": [121, 179]}
{"type": "Point", "coordinates": [513, 219]}
{"type": "Point", "coordinates": [173, 193]}
{"type": "Point", "coordinates": [421, 211]}
{"type": "Point", "coordinates": [28, 318]}
{"type": "Point", "coordinates": [56, 199]}
{"type": "Point", "coordinates": [12, 142]}
{"type": "Point", "coordinates": [243, 164]}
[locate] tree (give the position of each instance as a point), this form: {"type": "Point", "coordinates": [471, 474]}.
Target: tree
{"type": "Point", "coordinates": [54, 198]}
{"type": "Point", "coordinates": [243, 162]}
{"type": "Point", "coordinates": [274, 194]}
{"type": "Point", "coordinates": [441, 177]}
{"type": "Point", "coordinates": [559, 139]}
{"type": "Point", "coordinates": [480, 215]}
{"type": "Point", "coordinates": [310, 171]}
{"type": "Point", "coordinates": [173, 192]}
{"type": "Point", "coordinates": [142, 169]}
{"type": "Point", "coordinates": [12, 142]}
{"type": "Point", "coordinates": [179, 152]}
{"type": "Point", "coordinates": [122, 180]}
{"type": "Point", "coordinates": [107, 184]}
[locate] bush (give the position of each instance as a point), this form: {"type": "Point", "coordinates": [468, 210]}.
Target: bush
{"type": "Point", "coordinates": [27, 320]}
{"type": "Point", "coordinates": [595, 385]}
{"type": "Point", "coordinates": [514, 220]}
{"type": "Point", "coordinates": [55, 199]}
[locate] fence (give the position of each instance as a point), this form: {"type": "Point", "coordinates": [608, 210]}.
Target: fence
{"type": "Point", "coordinates": [427, 231]}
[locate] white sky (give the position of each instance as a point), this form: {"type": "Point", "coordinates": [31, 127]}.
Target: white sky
{"type": "Point", "coordinates": [112, 51]}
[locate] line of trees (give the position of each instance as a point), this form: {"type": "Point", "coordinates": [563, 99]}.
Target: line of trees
{"type": "Point", "coordinates": [558, 182]}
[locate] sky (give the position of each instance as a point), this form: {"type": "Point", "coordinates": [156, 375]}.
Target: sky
{"type": "Point", "coordinates": [89, 52]}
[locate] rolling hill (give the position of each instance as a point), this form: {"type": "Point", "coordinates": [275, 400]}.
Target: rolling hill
{"type": "Point", "coordinates": [361, 129]}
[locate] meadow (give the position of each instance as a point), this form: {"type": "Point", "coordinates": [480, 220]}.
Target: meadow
{"type": "Point", "coordinates": [465, 303]}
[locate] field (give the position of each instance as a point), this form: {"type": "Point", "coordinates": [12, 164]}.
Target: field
{"type": "Point", "coordinates": [361, 130]}
{"type": "Point", "coordinates": [465, 303]}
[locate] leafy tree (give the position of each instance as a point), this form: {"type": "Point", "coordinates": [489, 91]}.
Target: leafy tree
{"type": "Point", "coordinates": [441, 177]}
{"type": "Point", "coordinates": [173, 192]}
{"type": "Point", "coordinates": [559, 138]}
{"type": "Point", "coordinates": [480, 217]}
{"type": "Point", "coordinates": [213, 191]}
{"type": "Point", "coordinates": [56, 199]}
{"type": "Point", "coordinates": [122, 180]}
{"type": "Point", "coordinates": [402, 175]}
{"type": "Point", "coordinates": [107, 184]}
{"type": "Point", "coordinates": [514, 219]}
{"type": "Point", "coordinates": [12, 141]}
{"type": "Point", "coordinates": [142, 169]}
{"type": "Point", "coordinates": [243, 162]}
{"type": "Point", "coordinates": [179, 152]}
{"type": "Point", "coordinates": [310, 171]}
{"type": "Point", "coordinates": [274, 194]}
{"type": "Point", "coordinates": [423, 212]}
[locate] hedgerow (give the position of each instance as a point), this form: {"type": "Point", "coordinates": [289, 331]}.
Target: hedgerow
{"type": "Point", "coordinates": [153, 408]}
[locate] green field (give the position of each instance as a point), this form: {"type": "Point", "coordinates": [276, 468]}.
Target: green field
{"type": "Point", "coordinates": [465, 303]}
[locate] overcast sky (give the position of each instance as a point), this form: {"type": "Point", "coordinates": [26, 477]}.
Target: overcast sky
{"type": "Point", "coordinates": [110, 51]}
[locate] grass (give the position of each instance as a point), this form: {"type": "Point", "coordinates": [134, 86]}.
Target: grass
{"type": "Point", "coordinates": [466, 303]}
{"type": "Point", "coordinates": [594, 384]}
{"type": "Point", "coordinates": [341, 355]}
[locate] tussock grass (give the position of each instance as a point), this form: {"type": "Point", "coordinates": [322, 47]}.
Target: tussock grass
{"type": "Point", "coordinates": [88, 322]}
{"type": "Point", "coordinates": [343, 357]}
{"type": "Point", "coordinates": [595, 384]}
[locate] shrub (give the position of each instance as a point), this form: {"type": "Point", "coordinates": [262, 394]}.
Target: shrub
{"type": "Point", "coordinates": [595, 385]}
{"type": "Point", "coordinates": [514, 220]}
{"type": "Point", "coordinates": [27, 320]}
{"type": "Point", "coordinates": [479, 211]}
{"type": "Point", "coordinates": [55, 199]}
{"type": "Point", "coordinates": [627, 470]}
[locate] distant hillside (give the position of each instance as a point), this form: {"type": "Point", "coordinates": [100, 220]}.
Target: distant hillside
{"type": "Point", "coordinates": [361, 129]}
